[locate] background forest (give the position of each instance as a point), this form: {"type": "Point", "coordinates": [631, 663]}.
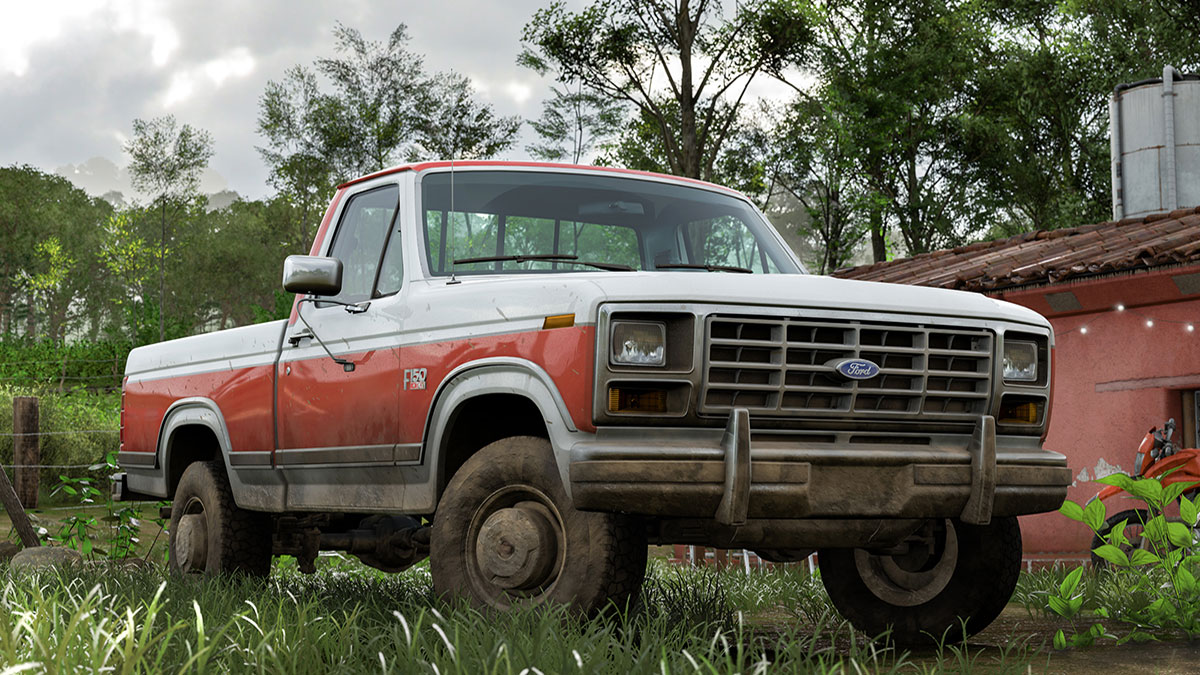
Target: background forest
{"type": "Point", "coordinates": [907, 127]}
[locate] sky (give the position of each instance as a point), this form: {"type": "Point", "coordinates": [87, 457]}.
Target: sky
{"type": "Point", "coordinates": [74, 74]}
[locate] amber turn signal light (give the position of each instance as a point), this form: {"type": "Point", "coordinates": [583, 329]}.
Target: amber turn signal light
{"type": "Point", "coordinates": [559, 321]}
{"type": "Point", "coordinates": [627, 400]}
{"type": "Point", "coordinates": [1020, 410]}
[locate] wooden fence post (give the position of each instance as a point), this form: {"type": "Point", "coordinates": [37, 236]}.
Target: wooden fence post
{"type": "Point", "coordinates": [27, 449]}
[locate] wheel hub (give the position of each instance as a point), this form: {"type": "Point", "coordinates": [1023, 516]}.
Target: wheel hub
{"type": "Point", "coordinates": [517, 547]}
{"type": "Point", "coordinates": [191, 542]}
{"type": "Point", "coordinates": [908, 581]}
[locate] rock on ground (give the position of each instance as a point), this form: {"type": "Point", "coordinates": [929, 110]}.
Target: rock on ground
{"type": "Point", "coordinates": [41, 557]}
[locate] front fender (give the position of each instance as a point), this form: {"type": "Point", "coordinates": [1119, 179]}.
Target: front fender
{"type": "Point", "coordinates": [501, 375]}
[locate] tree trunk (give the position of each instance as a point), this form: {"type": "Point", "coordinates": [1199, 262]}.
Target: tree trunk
{"type": "Point", "coordinates": [689, 154]}
{"type": "Point", "coordinates": [878, 236]}
{"type": "Point", "coordinates": [162, 275]}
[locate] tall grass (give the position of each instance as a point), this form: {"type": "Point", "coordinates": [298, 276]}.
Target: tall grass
{"type": "Point", "coordinates": [342, 620]}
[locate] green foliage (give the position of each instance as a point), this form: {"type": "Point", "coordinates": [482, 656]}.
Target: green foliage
{"type": "Point", "coordinates": [347, 619]}
{"type": "Point", "coordinates": [457, 126]}
{"type": "Point", "coordinates": [81, 429]}
{"type": "Point", "coordinates": [620, 50]}
{"type": "Point", "coordinates": [1157, 578]}
{"type": "Point", "coordinates": [573, 123]}
{"type": "Point", "coordinates": [117, 529]}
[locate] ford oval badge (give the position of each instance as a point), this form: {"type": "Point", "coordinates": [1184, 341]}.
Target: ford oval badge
{"type": "Point", "coordinates": [857, 369]}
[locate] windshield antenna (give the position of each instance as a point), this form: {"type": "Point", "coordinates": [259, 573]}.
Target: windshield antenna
{"type": "Point", "coordinates": [451, 224]}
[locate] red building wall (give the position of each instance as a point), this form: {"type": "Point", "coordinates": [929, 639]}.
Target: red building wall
{"type": "Point", "coordinates": [1116, 376]}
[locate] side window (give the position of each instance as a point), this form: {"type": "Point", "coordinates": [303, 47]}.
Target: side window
{"type": "Point", "coordinates": [726, 241]}
{"type": "Point", "coordinates": [391, 271]}
{"type": "Point", "coordinates": [360, 239]}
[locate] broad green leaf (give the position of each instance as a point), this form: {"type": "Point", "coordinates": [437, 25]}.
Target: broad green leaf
{"type": "Point", "coordinates": [1113, 555]}
{"type": "Point", "coordinates": [1148, 490]}
{"type": "Point", "coordinates": [1101, 612]}
{"type": "Point", "coordinates": [1185, 581]}
{"type": "Point", "coordinates": [1071, 510]}
{"type": "Point", "coordinates": [1059, 606]}
{"type": "Point", "coordinates": [1188, 511]}
{"type": "Point", "coordinates": [1116, 536]}
{"type": "Point", "coordinates": [1075, 603]}
{"type": "Point", "coordinates": [1179, 534]}
{"type": "Point", "coordinates": [1172, 491]}
{"type": "Point", "coordinates": [1156, 529]}
{"type": "Point", "coordinates": [1060, 640]}
{"type": "Point", "coordinates": [1118, 479]}
{"type": "Point", "coordinates": [1093, 515]}
{"type": "Point", "coordinates": [1143, 557]}
{"type": "Point", "coordinates": [1069, 583]}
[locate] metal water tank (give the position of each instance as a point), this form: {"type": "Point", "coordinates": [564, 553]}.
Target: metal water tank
{"type": "Point", "coordinates": [1155, 136]}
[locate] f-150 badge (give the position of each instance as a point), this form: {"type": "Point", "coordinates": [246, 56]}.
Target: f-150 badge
{"type": "Point", "coordinates": [414, 378]}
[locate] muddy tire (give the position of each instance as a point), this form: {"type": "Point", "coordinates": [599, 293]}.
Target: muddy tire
{"type": "Point", "coordinates": [210, 535]}
{"type": "Point", "coordinates": [1135, 523]}
{"type": "Point", "coordinates": [505, 534]}
{"type": "Point", "coordinates": [922, 596]}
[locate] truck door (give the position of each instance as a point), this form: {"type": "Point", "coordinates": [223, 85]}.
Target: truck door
{"type": "Point", "coordinates": [338, 426]}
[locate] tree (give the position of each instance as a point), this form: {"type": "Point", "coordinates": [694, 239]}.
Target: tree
{"type": "Point", "coordinates": [129, 260]}
{"type": "Point", "coordinates": [362, 111]}
{"type": "Point", "coordinates": [897, 77]}
{"type": "Point", "coordinates": [1036, 127]}
{"type": "Point", "coordinates": [573, 123]}
{"type": "Point", "coordinates": [45, 221]}
{"type": "Point", "coordinates": [166, 161]}
{"type": "Point", "coordinates": [456, 126]}
{"type": "Point", "coordinates": [681, 66]}
{"type": "Point", "coordinates": [814, 162]}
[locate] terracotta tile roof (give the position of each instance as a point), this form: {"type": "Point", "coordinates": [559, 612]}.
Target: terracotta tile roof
{"type": "Point", "coordinates": [1048, 256]}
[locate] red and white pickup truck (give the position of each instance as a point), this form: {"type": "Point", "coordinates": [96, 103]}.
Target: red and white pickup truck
{"type": "Point", "coordinates": [528, 372]}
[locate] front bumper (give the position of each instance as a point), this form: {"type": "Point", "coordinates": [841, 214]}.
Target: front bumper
{"type": "Point", "coordinates": [738, 475]}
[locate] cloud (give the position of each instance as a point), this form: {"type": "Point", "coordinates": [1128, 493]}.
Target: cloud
{"type": "Point", "coordinates": [235, 63]}
{"type": "Point", "coordinates": [75, 74]}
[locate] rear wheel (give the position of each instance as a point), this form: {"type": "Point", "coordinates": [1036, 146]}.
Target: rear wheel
{"type": "Point", "coordinates": [209, 533]}
{"type": "Point", "coordinates": [958, 576]}
{"type": "Point", "coordinates": [506, 534]}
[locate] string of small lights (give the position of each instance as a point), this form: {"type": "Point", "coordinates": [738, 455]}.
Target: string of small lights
{"type": "Point", "coordinates": [1150, 322]}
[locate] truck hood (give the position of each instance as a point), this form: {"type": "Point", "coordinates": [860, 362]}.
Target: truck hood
{"type": "Point", "coordinates": [811, 291]}
{"type": "Point", "coordinates": [583, 292]}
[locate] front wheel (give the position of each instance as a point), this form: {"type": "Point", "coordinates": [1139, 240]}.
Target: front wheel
{"type": "Point", "coordinates": [209, 533]}
{"type": "Point", "coordinates": [505, 534]}
{"type": "Point", "coordinates": [956, 577]}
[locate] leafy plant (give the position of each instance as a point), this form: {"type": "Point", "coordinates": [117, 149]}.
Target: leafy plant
{"type": "Point", "coordinates": [118, 528]}
{"type": "Point", "coordinates": [1163, 568]}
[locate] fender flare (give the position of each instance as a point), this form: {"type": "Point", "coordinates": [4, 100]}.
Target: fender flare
{"type": "Point", "coordinates": [192, 411]}
{"type": "Point", "coordinates": [499, 375]}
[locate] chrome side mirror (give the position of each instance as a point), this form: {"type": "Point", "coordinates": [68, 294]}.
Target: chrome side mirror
{"type": "Point", "coordinates": [312, 274]}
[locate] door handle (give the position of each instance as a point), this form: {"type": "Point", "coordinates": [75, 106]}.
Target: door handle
{"type": "Point", "coordinates": [298, 335]}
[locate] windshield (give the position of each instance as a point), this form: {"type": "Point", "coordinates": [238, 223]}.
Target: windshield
{"type": "Point", "coordinates": [544, 222]}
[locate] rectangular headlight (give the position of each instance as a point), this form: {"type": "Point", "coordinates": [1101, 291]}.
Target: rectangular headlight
{"type": "Point", "coordinates": [638, 343]}
{"type": "Point", "coordinates": [1020, 361]}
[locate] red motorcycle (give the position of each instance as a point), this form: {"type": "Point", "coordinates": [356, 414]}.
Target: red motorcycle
{"type": "Point", "coordinates": [1157, 456]}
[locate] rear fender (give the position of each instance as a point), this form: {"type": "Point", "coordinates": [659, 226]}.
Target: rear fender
{"type": "Point", "coordinates": [259, 490]}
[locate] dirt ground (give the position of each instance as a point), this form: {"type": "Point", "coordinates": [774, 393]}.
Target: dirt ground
{"type": "Point", "coordinates": [1015, 624]}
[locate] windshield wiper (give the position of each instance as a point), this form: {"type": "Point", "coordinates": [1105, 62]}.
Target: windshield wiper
{"type": "Point", "coordinates": [549, 257]}
{"type": "Point", "coordinates": [710, 268]}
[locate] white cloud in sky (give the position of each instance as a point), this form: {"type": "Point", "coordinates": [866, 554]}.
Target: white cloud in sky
{"type": "Point", "coordinates": [235, 63]}
{"type": "Point", "coordinates": [518, 91]}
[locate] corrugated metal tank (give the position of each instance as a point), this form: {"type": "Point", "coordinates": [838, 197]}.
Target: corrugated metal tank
{"type": "Point", "coordinates": [1155, 135]}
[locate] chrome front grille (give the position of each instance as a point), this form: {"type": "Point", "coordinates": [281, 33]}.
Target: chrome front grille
{"type": "Point", "coordinates": [785, 367]}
